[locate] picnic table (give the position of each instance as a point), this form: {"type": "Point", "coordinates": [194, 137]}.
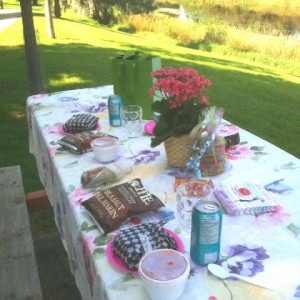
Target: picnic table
{"type": "Point", "coordinates": [265, 247]}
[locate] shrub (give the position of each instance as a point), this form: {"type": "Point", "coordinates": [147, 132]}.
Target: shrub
{"type": "Point", "coordinates": [216, 33]}
{"type": "Point", "coordinates": [281, 47]}
{"type": "Point", "coordinates": [182, 31]}
{"type": "Point", "coordinates": [205, 35]}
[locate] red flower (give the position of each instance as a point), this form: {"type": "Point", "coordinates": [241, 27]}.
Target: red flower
{"type": "Point", "coordinates": [179, 86]}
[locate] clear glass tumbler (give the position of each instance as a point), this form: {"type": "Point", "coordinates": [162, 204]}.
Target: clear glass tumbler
{"type": "Point", "coordinates": [132, 117]}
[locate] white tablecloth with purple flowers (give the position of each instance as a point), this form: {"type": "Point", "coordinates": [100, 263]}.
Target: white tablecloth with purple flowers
{"type": "Point", "coordinates": [265, 247]}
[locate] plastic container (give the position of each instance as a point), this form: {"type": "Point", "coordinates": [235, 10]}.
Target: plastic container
{"type": "Point", "coordinates": [105, 149]}
{"type": "Point", "coordinates": [164, 273]}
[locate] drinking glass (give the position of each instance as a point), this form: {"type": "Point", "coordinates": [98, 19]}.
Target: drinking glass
{"type": "Point", "coordinates": [187, 196]}
{"type": "Point", "coordinates": [132, 116]}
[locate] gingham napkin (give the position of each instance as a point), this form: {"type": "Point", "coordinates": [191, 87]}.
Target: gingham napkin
{"type": "Point", "coordinates": [80, 123]}
{"type": "Point", "coordinates": [131, 244]}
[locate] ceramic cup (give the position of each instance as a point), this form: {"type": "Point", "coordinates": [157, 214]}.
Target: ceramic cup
{"type": "Point", "coordinates": [164, 273]}
{"type": "Point", "coordinates": [132, 116]}
{"type": "Point", "coordinates": [187, 196]}
{"type": "Point", "coordinates": [105, 149]}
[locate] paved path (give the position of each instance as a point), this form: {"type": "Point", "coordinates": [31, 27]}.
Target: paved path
{"type": "Point", "coordinates": [8, 17]}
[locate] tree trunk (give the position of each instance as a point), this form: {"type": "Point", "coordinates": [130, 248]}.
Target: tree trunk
{"type": "Point", "coordinates": [31, 50]}
{"type": "Point", "coordinates": [49, 20]}
{"type": "Point", "coordinates": [1, 4]}
{"type": "Point", "coordinates": [57, 11]}
{"type": "Point", "coordinates": [34, 2]}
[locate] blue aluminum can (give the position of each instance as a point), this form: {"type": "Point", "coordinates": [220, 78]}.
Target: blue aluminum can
{"type": "Point", "coordinates": [114, 110]}
{"type": "Point", "coordinates": [206, 232]}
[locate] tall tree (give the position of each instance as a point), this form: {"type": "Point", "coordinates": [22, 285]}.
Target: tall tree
{"type": "Point", "coordinates": [31, 50]}
{"type": "Point", "coordinates": [57, 11]}
{"type": "Point", "coordinates": [49, 20]}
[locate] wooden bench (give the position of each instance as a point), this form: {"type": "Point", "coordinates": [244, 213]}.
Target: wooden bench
{"type": "Point", "coordinates": [19, 278]}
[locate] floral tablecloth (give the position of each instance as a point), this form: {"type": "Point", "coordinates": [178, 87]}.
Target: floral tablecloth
{"type": "Point", "coordinates": [265, 247]}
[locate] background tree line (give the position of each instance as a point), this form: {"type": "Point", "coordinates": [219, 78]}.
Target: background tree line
{"type": "Point", "coordinates": [106, 12]}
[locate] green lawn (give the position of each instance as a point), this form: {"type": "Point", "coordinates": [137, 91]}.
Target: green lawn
{"type": "Point", "coordinates": [260, 99]}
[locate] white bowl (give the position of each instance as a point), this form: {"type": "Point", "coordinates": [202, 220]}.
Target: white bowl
{"type": "Point", "coordinates": [105, 148]}
{"type": "Point", "coordinates": [164, 273]}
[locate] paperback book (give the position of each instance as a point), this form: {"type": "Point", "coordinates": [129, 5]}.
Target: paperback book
{"type": "Point", "coordinates": [245, 197]}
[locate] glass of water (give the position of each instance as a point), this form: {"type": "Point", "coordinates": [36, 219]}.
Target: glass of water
{"type": "Point", "coordinates": [187, 196]}
{"type": "Point", "coordinates": [132, 116]}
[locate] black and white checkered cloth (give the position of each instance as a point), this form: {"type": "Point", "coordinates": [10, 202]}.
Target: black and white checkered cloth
{"type": "Point", "coordinates": [133, 243]}
{"type": "Point", "coordinates": [80, 123]}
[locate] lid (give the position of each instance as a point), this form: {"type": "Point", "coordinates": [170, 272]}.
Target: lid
{"type": "Point", "coordinates": [163, 264]}
{"type": "Point", "coordinates": [104, 142]}
{"type": "Point", "coordinates": [208, 206]}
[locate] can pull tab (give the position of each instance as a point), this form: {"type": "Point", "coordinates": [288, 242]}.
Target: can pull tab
{"type": "Point", "coordinates": [210, 207]}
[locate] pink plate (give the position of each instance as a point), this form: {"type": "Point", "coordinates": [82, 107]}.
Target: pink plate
{"type": "Point", "coordinates": [115, 261]}
{"type": "Point", "coordinates": [61, 129]}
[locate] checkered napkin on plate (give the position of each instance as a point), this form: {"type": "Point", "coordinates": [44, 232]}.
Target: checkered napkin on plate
{"type": "Point", "coordinates": [80, 122]}
{"type": "Point", "coordinates": [131, 244]}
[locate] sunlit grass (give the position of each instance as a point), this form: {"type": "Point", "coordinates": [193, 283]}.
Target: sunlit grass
{"type": "Point", "coordinates": [65, 79]}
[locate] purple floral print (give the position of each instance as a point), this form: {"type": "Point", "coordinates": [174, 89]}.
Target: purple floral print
{"type": "Point", "coordinates": [178, 172]}
{"type": "Point", "coordinates": [243, 260]}
{"type": "Point", "coordinates": [166, 215]}
{"type": "Point", "coordinates": [67, 99]}
{"type": "Point", "coordinates": [97, 108]}
{"type": "Point", "coordinates": [278, 186]}
{"type": "Point", "coordinates": [297, 292]}
{"type": "Point", "coordinates": [145, 156]}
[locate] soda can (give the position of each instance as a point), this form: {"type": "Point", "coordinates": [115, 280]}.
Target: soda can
{"type": "Point", "coordinates": [206, 232]}
{"type": "Point", "coordinates": [114, 110]}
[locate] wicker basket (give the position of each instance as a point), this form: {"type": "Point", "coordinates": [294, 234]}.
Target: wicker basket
{"type": "Point", "coordinates": [178, 150]}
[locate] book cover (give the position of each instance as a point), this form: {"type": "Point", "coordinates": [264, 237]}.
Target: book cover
{"type": "Point", "coordinates": [245, 197]}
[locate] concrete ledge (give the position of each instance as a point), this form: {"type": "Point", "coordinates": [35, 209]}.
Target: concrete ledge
{"type": "Point", "coordinates": [37, 200]}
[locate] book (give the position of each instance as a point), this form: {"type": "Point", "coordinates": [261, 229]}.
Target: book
{"type": "Point", "coordinates": [245, 197]}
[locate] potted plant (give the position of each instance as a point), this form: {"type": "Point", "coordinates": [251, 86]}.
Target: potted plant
{"type": "Point", "coordinates": [179, 110]}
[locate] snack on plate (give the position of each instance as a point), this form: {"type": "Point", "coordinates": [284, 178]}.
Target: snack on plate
{"type": "Point", "coordinates": [80, 143]}
{"type": "Point", "coordinates": [131, 244]}
{"type": "Point", "coordinates": [111, 207]}
{"type": "Point", "coordinates": [80, 123]}
{"type": "Point", "coordinates": [179, 181]}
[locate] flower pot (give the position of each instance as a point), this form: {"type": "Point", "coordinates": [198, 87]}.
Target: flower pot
{"type": "Point", "coordinates": [178, 150]}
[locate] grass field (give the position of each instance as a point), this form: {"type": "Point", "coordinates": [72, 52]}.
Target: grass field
{"type": "Point", "coordinates": [258, 98]}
